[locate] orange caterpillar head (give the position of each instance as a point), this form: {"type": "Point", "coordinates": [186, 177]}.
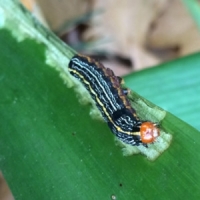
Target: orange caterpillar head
{"type": "Point", "coordinates": [149, 132]}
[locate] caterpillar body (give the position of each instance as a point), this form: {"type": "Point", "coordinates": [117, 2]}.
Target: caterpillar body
{"type": "Point", "coordinates": [111, 99]}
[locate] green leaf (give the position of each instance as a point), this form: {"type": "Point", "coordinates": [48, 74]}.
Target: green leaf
{"type": "Point", "coordinates": [50, 147]}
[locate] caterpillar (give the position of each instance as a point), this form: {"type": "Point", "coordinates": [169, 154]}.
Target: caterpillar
{"type": "Point", "coordinates": [111, 100]}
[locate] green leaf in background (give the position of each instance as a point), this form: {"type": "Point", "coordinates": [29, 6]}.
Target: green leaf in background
{"type": "Point", "coordinates": [174, 86]}
{"type": "Point", "coordinates": [50, 148]}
